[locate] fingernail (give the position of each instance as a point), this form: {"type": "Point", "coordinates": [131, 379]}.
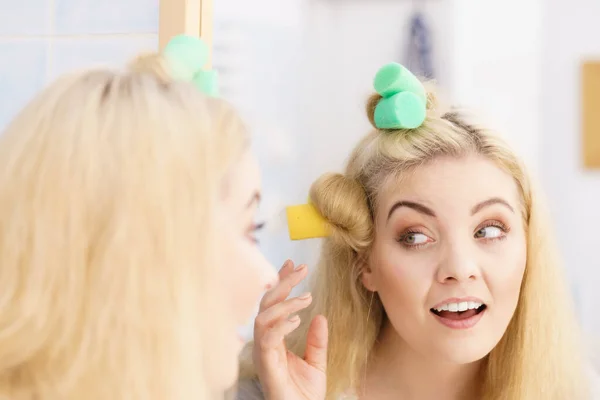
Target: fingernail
{"type": "Point", "coordinates": [285, 264]}
{"type": "Point", "coordinates": [300, 267]}
{"type": "Point", "coordinates": [304, 296]}
{"type": "Point", "coordinates": [294, 318]}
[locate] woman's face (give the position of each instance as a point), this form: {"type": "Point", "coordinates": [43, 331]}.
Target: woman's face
{"type": "Point", "coordinates": [245, 273]}
{"type": "Point", "coordinates": [449, 256]}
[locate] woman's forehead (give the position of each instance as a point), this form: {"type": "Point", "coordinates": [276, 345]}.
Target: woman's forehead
{"type": "Point", "coordinates": [448, 180]}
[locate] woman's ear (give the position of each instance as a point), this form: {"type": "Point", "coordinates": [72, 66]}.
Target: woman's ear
{"type": "Point", "coordinates": [367, 277]}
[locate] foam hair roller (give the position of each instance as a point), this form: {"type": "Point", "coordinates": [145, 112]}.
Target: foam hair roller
{"type": "Point", "coordinates": [305, 222]}
{"type": "Point", "coordinates": [404, 98]}
{"type": "Point", "coordinates": [186, 56]}
{"type": "Point", "coordinates": [403, 110]}
{"type": "Point", "coordinates": [207, 82]}
{"type": "Point", "coordinates": [394, 78]}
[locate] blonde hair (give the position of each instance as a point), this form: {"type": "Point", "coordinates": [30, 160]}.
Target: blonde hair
{"type": "Point", "coordinates": [537, 358]}
{"type": "Point", "coordinates": [108, 181]}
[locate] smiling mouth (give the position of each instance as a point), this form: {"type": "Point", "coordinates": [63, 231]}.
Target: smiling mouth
{"type": "Point", "coordinates": [459, 311]}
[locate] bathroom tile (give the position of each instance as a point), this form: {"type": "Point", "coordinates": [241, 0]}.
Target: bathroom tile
{"type": "Point", "coordinates": [108, 16]}
{"type": "Point", "coordinates": [22, 74]}
{"type": "Point", "coordinates": [24, 17]}
{"type": "Point", "coordinates": [77, 53]}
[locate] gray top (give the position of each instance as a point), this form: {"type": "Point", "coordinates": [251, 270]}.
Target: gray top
{"type": "Point", "coordinates": [251, 390]}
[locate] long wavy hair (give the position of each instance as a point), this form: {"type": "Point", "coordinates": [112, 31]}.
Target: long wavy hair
{"type": "Point", "coordinates": [108, 182]}
{"type": "Point", "coordinates": [538, 356]}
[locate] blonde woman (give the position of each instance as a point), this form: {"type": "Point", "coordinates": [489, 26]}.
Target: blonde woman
{"type": "Point", "coordinates": [438, 278]}
{"type": "Point", "coordinates": [128, 256]}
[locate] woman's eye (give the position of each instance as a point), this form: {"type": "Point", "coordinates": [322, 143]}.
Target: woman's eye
{"type": "Point", "coordinates": [489, 232]}
{"type": "Point", "coordinates": [253, 230]}
{"type": "Point", "coordinates": [414, 239]}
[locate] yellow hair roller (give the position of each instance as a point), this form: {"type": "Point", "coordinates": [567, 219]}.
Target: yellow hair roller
{"type": "Point", "coordinates": [305, 222]}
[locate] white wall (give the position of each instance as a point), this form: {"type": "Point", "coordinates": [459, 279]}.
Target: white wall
{"type": "Point", "coordinates": [41, 39]}
{"type": "Point", "coordinates": [571, 34]}
{"type": "Point", "coordinates": [497, 61]}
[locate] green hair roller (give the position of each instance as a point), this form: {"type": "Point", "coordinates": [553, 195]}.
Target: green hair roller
{"type": "Point", "coordinates": [186, 56]}
{"type": "Point", "coordinates": [404, 98]}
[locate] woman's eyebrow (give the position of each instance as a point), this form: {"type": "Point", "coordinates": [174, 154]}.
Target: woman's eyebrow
{"type": "Point", "coordinates": [429, 212]}
{"type": "Point", "coordinates": [494, 200]}
{"type": "Point", "coordinates": [411, 204]}
{"type": "Point", "coordinates": [255, 199]}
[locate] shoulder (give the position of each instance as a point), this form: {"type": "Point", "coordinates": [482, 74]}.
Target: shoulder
{"type": "Point", "coordinates": [249, 389]}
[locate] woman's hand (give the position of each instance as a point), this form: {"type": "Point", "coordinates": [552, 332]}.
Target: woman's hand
{"type": "Point", "coordinates": [284, 375]}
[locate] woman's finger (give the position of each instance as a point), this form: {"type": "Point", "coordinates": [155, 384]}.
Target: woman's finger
{"type": "Point", "coordinates": [275, 335]}
{"type": "Point", "coordinates": [271, 316]}
{"type": "Point", "coordinates": [283, 289]}
{"type": "Point", "coordinates": [316, 343]}
{"type": "Point", "coordinates": [286, 269]}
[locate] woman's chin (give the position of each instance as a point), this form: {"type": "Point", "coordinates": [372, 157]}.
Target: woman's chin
{"type": "Point", "coordinates": [223, 371]}
{"type": "Point", "coordinates": [462, 355]}
{"type": "Point", "coordinates": [223, 377]}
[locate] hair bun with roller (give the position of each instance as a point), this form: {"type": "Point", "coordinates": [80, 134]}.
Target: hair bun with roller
{"type": "Point", "coordinates": [343, 203]}
{"type": "Point", "coordinates": [183, 59]}
{"type": "Point", "coordinates": [152, 64]}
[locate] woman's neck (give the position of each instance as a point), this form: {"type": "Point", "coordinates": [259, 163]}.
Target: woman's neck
{"type": "Point", "coordinates": [398, 372]}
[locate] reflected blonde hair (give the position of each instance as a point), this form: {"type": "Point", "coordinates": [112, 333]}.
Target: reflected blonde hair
{"type": "Point", "coordinates": [108, 182]}
{"type": "Point", "coordinates": [538, 356]}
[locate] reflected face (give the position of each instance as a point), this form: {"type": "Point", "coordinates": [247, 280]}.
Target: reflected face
{"type": "Point", "coordinates": [246, 272]}
{"type": "Point", "coordinates": [449, 256]}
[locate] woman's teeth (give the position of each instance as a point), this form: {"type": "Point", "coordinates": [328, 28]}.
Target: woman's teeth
{"type": "Point", "coordinates": [459, 307]}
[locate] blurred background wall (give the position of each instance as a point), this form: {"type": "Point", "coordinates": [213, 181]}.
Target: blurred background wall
{"type": "Point", "coordinates": [40, 39]}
